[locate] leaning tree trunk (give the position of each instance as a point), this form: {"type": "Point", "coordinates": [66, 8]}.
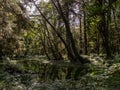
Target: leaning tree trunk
{"type": "Point", "coordinates": [70, 48]}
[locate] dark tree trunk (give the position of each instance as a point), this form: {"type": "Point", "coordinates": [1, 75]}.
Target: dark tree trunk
{"type": "Point", "coordinates": [105, 35]}
{"type": "Point", "coordinates": [104, 30]}
{"type": "Point", "coordinates": [85, 31]}
{"type": "Point", "coordinates": [81, 39]}
{"type": "Point", "coordinates": [69, 44]}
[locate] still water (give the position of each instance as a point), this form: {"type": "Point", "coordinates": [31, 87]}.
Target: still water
{"type": "Point", "coordinates": [34, 75]}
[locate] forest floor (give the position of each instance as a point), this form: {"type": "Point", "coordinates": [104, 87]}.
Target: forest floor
{"type": "Point", "coordinates": [40, 74]}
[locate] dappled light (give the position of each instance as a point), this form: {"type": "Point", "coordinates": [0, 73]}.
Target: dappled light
{"type": "Point", "coordinates": [59, 45]}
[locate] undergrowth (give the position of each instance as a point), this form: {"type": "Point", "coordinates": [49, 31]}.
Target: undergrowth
{"type": "Point", "coordinates": [102, 75]}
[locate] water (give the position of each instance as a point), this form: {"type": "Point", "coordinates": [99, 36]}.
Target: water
{"type": "Point", "coordinates": [35, 75]}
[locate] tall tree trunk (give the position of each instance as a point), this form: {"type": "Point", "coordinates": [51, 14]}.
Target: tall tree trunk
{"type": "Point", "coordinates": [81, 37]}
{"type": "Point", "coordinates": [85, 29]}
{"type": "Point", "coordinates": [85, 35]}
{"type": "Point", "coordinates": [71, 48]}
{"type": "Point", "coordinates": [104, 30]}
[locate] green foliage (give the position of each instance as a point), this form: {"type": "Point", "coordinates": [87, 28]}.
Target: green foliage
{"type": "Point", "coordinates": [114, 80]}
{"type": "Point", "coordinates": [10, 30]}
{"type": "Point", "coordinates": [35, 75]}
{"type": "Point", "coordinates": [51, 35]}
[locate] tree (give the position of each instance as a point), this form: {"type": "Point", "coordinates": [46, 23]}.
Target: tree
{"type": "Point", "coordinates": [64, 14]}
{"type": "Point", "coordinates": [12, 22]}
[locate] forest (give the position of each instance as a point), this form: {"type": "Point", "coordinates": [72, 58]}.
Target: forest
{"type": "Point", "coordinates": [59, 44]}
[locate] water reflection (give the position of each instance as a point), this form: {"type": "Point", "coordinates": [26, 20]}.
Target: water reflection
{"type": "Point", "coordinates": [34, 74]}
